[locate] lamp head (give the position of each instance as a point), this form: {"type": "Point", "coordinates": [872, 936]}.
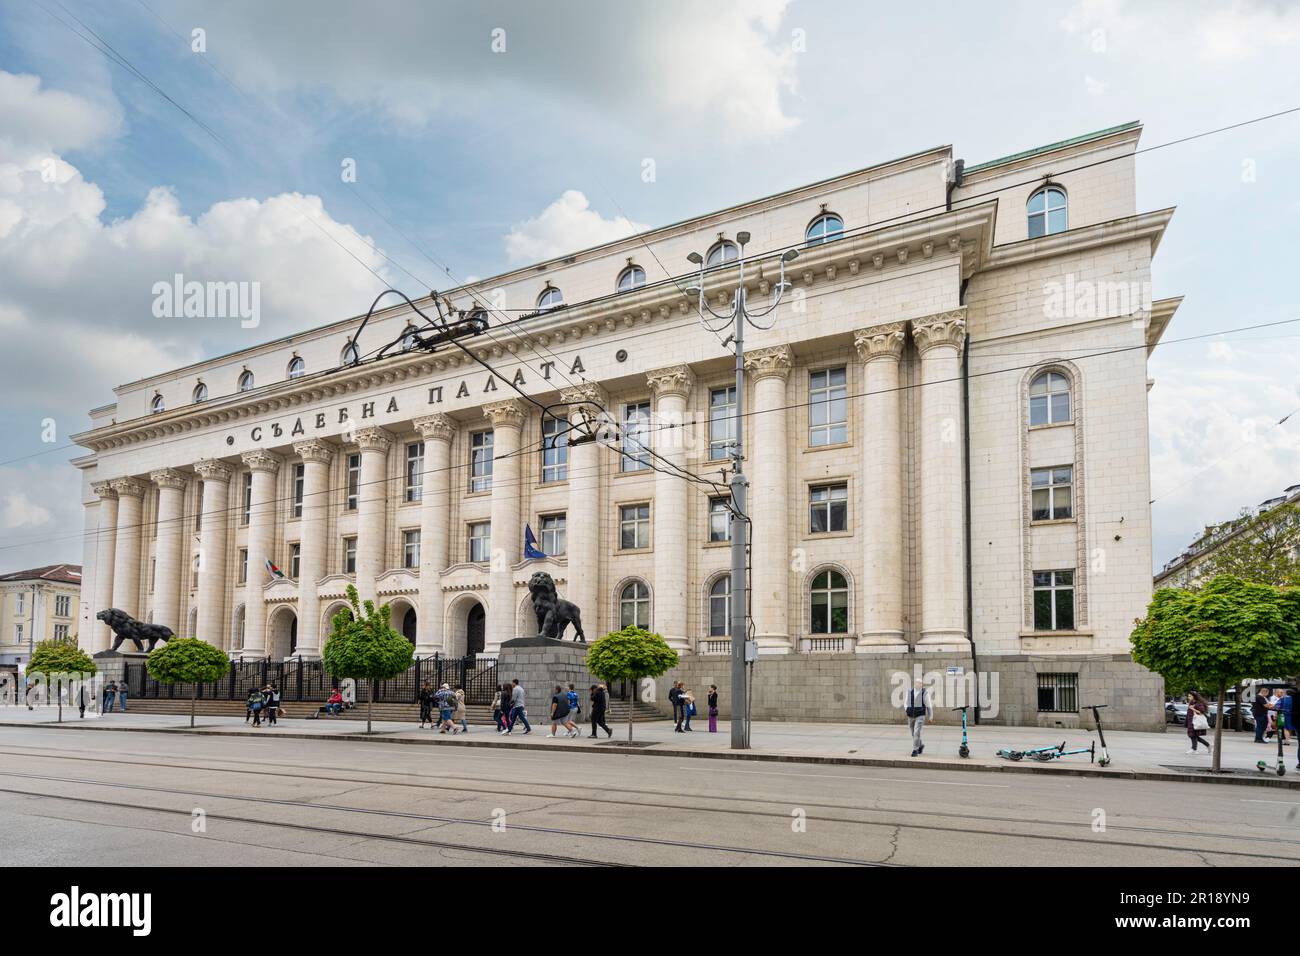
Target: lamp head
{"type": "Point", "coordinates": [790, 255]}
{"type": "Point", "coordinates": [696, 258]}
{"type": "Point", "coordinates": [742, 238]}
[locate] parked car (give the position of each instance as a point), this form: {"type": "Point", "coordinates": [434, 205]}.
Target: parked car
{"type": "Point", "coordinates": [1176, 711]}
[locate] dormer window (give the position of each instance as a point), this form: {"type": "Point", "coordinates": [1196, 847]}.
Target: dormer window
{"type": "Point", "coordinates": [722, 252]}
{"type": "Point", "coordinates": [157, 405]}
{"type": "Point", "coordinates": [550, 298]}
{"type": "Point", "coordinates": [824, 228]}
{"type": "Point", "coordinates": [200, 393]}
{"type": "Point", "coordinates": [246, 381]}
{"type": "Point", "coordinates": [297, 367]}
{"type": "Point", "coordinates": [633, 277]}
{"type": "Point", "coordinates": [408, 338]}
{"type": "Point", "coordinates": [1047, 212]}
{"type": "Point", "coordinates": [349, 354]}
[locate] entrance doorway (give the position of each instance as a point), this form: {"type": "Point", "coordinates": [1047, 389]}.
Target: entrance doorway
{"type": "Point", "coordinates": [475, 630]}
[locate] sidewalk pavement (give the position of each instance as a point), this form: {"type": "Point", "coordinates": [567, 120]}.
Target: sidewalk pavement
{"type": "Point", "coordinates": [1134, 755]}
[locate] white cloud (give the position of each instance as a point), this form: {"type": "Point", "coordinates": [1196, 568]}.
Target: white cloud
{"type": "Point", "coordinates": [1211, 31]}
{"type": "Point", "coordinates": [565, 225]}
{"type": "Point", "coordinates": [19, 511]}
{"type": "Point", "coordinates": [50, 119]}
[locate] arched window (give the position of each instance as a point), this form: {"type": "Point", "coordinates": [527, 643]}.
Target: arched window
{"type": "Point", "coordinates": [723, 252]}
{"type": "Point", "coordinates": [1049, 399]}
{"type": "Point", "coordinates": [1047, 212]}
{"type": "Point", "coordinates": [634, 605]}
{"type": "Point", "coordinates": [349, 354]}
{"type": "Point", "coordinates": [720, 607]}
{"type": "Point", "coordinates": [633, 277]}
{"type": "Point", "coordinates": [246, 381]}
{"type": "Point", "coordinates": [829, 601]}
{"type": "Point", "coordinates": [297, 367]}
{"type": "Point", "coordinates": [157, 405]}
{"type": "Point", "coordinates": [824, 228]}
{"type": "Point", "coordinates": [408, 338]}
{"type": "Point", "coordinates": [550, 298]}
{"type": "Point", "coordinates": [200, 393]}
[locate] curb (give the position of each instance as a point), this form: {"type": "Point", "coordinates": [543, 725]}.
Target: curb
{"type": "Point", "coordinates": [764, 756]}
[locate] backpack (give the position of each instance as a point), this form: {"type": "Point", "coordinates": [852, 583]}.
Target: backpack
{"type": "Point", "coordinates": [917, 707]}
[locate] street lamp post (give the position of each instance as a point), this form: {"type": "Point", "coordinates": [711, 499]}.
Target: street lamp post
{"type": "Point", "coordinates": [741, 652]}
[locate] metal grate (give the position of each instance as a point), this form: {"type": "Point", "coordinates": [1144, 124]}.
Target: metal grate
{"type": "Point", "coordinates": [1058, 693]}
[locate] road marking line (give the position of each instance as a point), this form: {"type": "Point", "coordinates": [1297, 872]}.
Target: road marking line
{"type": "Point", "coordinates": [1285, 803]}
{"type": "Point", "coordinates": [844, 776]}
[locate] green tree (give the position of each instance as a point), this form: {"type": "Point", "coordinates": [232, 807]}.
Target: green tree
{"type": "Point", "coordinates": [56, 659]}
{"type": "Point", "coordinates": [366, 647]}
{"type": "Point", "coordinates": [1225, 632]}
{"type": "Point", "coordinates": [187, 660]}
{"type": "Point", "coordinates": [631, 654]}
{"type": "Point", "coordinates": [1261, 549]}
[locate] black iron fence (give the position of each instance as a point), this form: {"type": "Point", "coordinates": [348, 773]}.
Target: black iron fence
{"type": "Point", "coordinates": [300, 680]}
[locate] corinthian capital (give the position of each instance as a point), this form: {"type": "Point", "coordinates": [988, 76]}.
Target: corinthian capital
{"type": "Point", "coordinates": [210, 469]}
{"type": "Point", "coordinates": [261, 461]}
{"type": "Point", "coordinates": [103, 489]}
{"type": "Point", "coordinates": [942, 328]}
{"type": "Point", "coordinates": [775, 361]}
{"type": "Point", "coordinates": [507, 413]}
{"type": "Point", "coordinates": [128, 488]}
{"type": "Point", "coordinates": [315, 450]}
{"type": "Point", "coordinates": [881, 341]}
{"type": "Point", "coordinates": [373, 438]}
{"type": "Point", "coordinates": [673, 380]}
{"type": "Point", "coordinates": [437, 426]}
{"type": "Point", "coordinates": [169, 478]}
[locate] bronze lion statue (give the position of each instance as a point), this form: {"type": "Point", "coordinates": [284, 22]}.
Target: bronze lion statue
{"type": "Point", "coordinates": [554, 615]}
{"type": "Point", "coordinates": [127, 628]}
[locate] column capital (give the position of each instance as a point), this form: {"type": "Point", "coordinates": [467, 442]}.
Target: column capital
{"type": "Point", "coordinates": [169, 478]}
{"type": "Point", "coordinates": [373, 438]}
{"type": "Point", "coordinates": [673, 380]}
{"type": "Point", "coordinates": [773, 362]}
{"type": "Point", "coordinates": [103, 489]}
{"type": "Point", "coordinates": [881, 341]}
{"type": "Point", "coordinates": [583, 392]}
{"type": "Point", "coordinates": [942, 328]}
{"type": "Point", "coordinates": [260, 460]}
{"type": "Point", "coordinates": [437, 427]}
{"type": "Point", "coordinates": [313, 449]}
{"type": "Point", "coordinates": [506, 413]}
{"type": "Point", "coordinates": [212, 469]}
{"type": "Point", "coordinates": [128, 487]}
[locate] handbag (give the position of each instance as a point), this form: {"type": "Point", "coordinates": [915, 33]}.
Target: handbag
{"type": "Point", "coordinates": [1200, 722]}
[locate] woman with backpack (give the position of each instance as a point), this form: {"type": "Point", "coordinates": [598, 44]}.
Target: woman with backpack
{"type": "Point", "coordinates": [1197, 721]}
{"type": "Point", "coordinates": [254, 706]}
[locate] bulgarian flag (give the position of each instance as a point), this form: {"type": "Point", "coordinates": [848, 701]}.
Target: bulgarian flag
{"type": "Point", "coordinates": [275, 572]}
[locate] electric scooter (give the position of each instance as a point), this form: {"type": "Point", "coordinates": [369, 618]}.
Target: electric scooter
{"type": "Point", "coordinates": [1262, 765]}
{"type": "Point", "coordinates": [1047, 756]}
{"type": "Point", "coordinates": [1007, 754]}
{"type": "Point", "coordinates": [964, 749]}
{"type": "Point", "coordinates": [1104, 759]}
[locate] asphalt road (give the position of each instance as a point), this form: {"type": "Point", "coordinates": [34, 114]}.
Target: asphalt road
{"type": "Point", "coordinates": [82, 798]}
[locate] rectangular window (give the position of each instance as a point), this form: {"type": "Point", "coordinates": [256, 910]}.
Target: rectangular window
{"type": "Point", "coordinates": [1058, 693]}
{"type": "Point", "coordinates": [18, 633]}
{"type": "Point", "coordinates": [828, 507]}
{"type": "Point", "coordinates": [153, 573]}
{"type": "Point", "coordinates": [60, 632]}
{"type": "Point", "coordinates": [1053, 492]}
{"type": "Point", "coordinates": [295, 559]}
{"type": "Point", "coordinates": [480, 461]}
{"type": "Point", "coordinates": [248, 498]}
{"type": "Point", "coordinates": [633, 527]}
{"type": "Point", "coordinates": [194, 573]}
{"type": "Point", "coordinates": [722, 422]}
{"type": "Point", "coordinates": [1053, 600]}
{"type": "Point", "coordinates": [62, 605]}
{"type": "Point", "coordinates": [636, 437]}
{"type": "Point", "coordinates": [828, 407]}
{"type": "Point", "coordinates": [411, 550]}
{"type": "Point", "coordinates": [554, 534]}
{"type": "Point", "coordinates": [555, 449]}
{"type": "Point", "coordinates": [198, 508]}
{"type": "Point", "coordinates": [480, 542]}
{"type": "Point", "coordinates": [414, 471]}
{"type": "Point", "coordinates": [720, 519]}
{"type": "Point", "coordinates": [22, 602]}
{"type": "Point", "coordinates": [349, 555]}
{"type": "Point", "coordinates": [299, 482]}
{"type": "Point", "coordinates": [243, 565]}
{"type": "Point", "coordinates": [354, 481]}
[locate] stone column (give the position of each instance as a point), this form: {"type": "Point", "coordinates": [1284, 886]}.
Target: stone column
{"type": "Point", "coordinates": [585, 516]}
{"type": "Point", "coordinates": [261, 540]}
{"type": "Point", "coordinates": [879, 522]}
{"type": "Point", "coordinates": [126, 560]}
{"type": "Point", "coordinates": [212, 596]}
{"type": "Point", "coordinates": [372, 509]}
{"type": "Point", "coordinates": [507, 419]}
{"type": "Point", "coordinates": [672, 387]}
{"type": "Point", "coordinates": [313, 546]}
{"type": "Point", "coordinates": [169, 560]}
{"type": "Point", "coordinates": [435, 530]}
{"type": "Point", "coordinates": [939, 339]}
{"type": "Point", "coordinates": [768, 467]}
{"type": "Point", "coordinates": [101, 638]}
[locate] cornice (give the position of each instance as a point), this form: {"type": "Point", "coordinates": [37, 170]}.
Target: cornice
{"type": "Point", "coordinates": [1147, 225]}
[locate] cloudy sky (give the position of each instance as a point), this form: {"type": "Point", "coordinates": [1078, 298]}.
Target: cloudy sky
{"type": "Point", "coordinates": [485, 135]}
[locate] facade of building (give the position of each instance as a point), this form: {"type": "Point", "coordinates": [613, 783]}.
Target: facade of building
{"type": "Point", "coordinates": [1188, 567]}
{"type": "Point", "coordinates": [37, 605]}
{"type": "Point", "coordinates": [945, 435]}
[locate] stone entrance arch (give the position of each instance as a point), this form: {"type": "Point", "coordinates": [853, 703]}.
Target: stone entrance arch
{"type": "Point", "coordinates": [466, 625]}
{"type": "Point", "coordinates": [405, 619]}
{"type": "Point", "coordinates": [282, 633]}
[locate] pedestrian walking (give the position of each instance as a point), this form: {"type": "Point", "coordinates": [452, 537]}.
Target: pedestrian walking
{"type": "Point", "coordinates": [1197, 721]}
{"type": "Point", "coordinates": [502, 711]}
{"type": "Point", "coordinates": [271, 693]}
{"type": "Point", "coordinates": [517, 711]}
{"type": "Point", "coordinates": [458, 710]}
{"type": "Point", "coordinates": [110, 696]}
{"type": "Point", "coordinates": [1285, 712]}
{"type": "Point", "coordinates": [599, 704]}
{"type": "Point", "coordinates": [82, 699]}
{"type": "Point", "coordinates": [446, 701]}
{"type": "Point", "coordinates": [254, 706]}
{"type": "Point", "coordinates": [121, 696]}
{"type": "Point", "coordinates": [425, 697]}
{"type": "Point", "coordinates": [713, 708]}
{"type": "Point", "coordinates": [575, 712]}
{"type": "Point", "coordinates": [675, 697]}
{"type": "Point", "coordinates": [560, 712]}
{"type": "Point", "coordinates": [688, 707]}
{"type": "Point", "coordinates": [1259, 712]}
{"type": "Point", "coordinates": [919, 706]}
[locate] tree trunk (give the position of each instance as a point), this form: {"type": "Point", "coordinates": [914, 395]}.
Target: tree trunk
{"type": "Point", "coordinates": [370, 706]}
{"type": "Point", "coordinates": [59, 694]}
{"type": "Point", "coordinates": [631, 700]}
{"type": "Point", "coordinates": [194, 691]}
{"type": "Point", "coordinates": [1218, 727]}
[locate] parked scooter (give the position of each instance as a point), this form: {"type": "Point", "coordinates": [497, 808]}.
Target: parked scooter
{"type": "Point", "coordinates": [1104, 759]}
{"type": "Point", "coordinates": [1016, 755]}
{"type": "Point", "coordinates": [1262, 765]}
{"type": "Point", "coordinates": [964, 749]}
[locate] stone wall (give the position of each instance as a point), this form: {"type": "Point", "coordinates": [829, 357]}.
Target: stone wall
{"type": "Point", "coordinates": [855, 688]}
{"type": "Point", "coordinates": [540, 668]}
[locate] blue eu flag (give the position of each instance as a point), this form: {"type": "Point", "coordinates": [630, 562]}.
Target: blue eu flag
{"type": "Point", "coordinates": [531, 551]}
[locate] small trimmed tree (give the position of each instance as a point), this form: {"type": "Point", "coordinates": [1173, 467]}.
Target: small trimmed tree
{"type": "Point", "coordinates": [187, 660]}
{"type": "Point", "coordinates": [56, 658]}
{"type": "Point", "coordinates": [631, 654]}
{"type": "Point", "coordinates": [365, 647]}
{"type": "Point", "coordinates": [1228, 631]}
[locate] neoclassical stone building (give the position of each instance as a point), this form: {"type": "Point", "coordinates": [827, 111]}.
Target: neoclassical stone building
{"type": "Point", "coordinates": [946, 439]}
